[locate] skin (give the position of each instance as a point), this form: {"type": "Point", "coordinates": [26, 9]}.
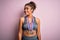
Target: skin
{"type": "Point", "coordinates": [28, 11]}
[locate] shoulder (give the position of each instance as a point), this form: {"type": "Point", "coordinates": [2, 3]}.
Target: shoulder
{"type": "Point", "coordinates": [37, 19]}
{"type": "Point", "coordinates": [22, 18]}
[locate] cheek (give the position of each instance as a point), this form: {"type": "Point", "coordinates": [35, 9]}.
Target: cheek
{"type": "Point", "coordinates": [29, 11]}
{"type": "Point", "coordinates": [26, 12]}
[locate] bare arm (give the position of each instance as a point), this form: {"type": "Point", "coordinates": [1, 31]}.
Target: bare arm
{"type": "Point", "coordinates": [20, 30]}
{"type": "Point", "coordinates": [38, 30]}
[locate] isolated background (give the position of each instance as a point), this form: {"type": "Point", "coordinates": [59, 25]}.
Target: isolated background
{"type": "Point", "coordinates": [48, 11]}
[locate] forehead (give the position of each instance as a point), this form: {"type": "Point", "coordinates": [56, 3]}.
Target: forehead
{"type": "Point", "coordinates": [27, 6]}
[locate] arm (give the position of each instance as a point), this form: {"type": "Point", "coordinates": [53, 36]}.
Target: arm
{"type": "Point", "coordinates": [20, 30]}
{"type": "Point", "coordinates": [38, 30]}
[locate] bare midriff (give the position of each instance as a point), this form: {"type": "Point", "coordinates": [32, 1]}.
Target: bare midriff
{"type": "Point", "coordinates": [27, 33]}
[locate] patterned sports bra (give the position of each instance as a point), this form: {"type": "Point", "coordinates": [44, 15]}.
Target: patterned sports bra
{"type": "Point", "coordinates": [26, 25]}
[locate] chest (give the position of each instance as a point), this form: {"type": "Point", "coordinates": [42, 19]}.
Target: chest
{"type": "Point", "coordinates": [25, 25]}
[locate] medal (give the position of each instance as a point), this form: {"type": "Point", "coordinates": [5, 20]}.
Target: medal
{"type": "Point", "coordinates": [30, 26]}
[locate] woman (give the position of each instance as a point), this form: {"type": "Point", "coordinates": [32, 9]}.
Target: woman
{"type": "Point", "coordinates": [29, 25]}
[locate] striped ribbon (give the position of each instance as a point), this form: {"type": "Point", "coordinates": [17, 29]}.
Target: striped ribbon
{"type": "Point", "coordinates": [30, 25]}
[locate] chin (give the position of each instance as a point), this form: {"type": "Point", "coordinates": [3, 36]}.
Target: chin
{"type": "Point", "coordinates": [27, 14]}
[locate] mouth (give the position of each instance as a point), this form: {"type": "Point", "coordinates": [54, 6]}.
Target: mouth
{"type": "Point", "coordinates": [26, 12]}
{"type": "Point", "coordinates": [27, 15]}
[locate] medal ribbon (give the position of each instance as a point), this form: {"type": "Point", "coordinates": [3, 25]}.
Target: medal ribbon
{"type": "Point", "coordinates": [30, 25]}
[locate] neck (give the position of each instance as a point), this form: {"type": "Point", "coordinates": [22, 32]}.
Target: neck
{"type": "Point", "coordinates": [30, 16]}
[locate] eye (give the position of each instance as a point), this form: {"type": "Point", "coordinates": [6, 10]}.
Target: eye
{"type": "Point", "coordinates": [25, 8]}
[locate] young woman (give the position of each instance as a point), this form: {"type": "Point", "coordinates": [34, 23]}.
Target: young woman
{"type": "Point", "coordinates": [29, 25]}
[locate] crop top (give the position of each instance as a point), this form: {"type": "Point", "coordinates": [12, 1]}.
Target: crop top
{"type": "Point", "coordinates": [25, 25]}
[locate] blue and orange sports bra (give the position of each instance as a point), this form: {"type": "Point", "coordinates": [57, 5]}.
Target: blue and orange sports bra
{"type": "Point", "coordinates": [25, 24]}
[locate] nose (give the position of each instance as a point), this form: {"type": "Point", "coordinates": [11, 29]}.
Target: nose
{"type": "Point", "coordinates": [26, 10]}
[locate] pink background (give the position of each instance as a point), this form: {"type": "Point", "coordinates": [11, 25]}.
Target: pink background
{"type": "Point", "coordinates": [47, 11]}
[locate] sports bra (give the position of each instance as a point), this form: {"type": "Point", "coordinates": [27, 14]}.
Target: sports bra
{"type": "Point", "coordinates": [25, 25]}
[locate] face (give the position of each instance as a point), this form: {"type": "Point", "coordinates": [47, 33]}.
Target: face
{"type": "Point", "coordinates": [28, 10]}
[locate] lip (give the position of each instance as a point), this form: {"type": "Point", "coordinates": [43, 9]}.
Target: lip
{"type": "Point", "coordinates": [26, 11]}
